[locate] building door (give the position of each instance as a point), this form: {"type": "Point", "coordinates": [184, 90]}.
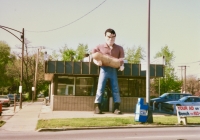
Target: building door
{"type": "Point", "coordinates": [70, 90]}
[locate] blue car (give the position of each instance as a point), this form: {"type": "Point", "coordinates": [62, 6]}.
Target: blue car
{"type": "Point", "coordinates": [167, 97]}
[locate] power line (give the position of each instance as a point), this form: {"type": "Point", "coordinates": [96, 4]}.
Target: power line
{"type": "Point", "coordinates": [70, 22]}
{"type": "Point", "coordinates": [189, 62]}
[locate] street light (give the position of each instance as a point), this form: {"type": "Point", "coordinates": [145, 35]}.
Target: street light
{"type": "Point", "coordinates": [21, 40]}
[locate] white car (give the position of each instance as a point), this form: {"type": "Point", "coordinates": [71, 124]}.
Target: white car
{"type": "Point", "coordinates": [4, 100]}
{"type": "Point", "coordinates": [40, 95]}
{"type": "Point", "coordinates": [184, 101]}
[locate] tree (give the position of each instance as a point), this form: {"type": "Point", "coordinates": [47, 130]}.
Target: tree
{"type": "Point", "coordinates": [67, 54]}
{"type": "Point", "coordinates": [170, 82]}
{"type": "Point", "coordinates": [13, 74]}
{"type": "Point", "coordinates": [133, 55]}
{"type": "Point", "coordinates": [4, 60]}
{"type": "Point", "coordinates": [14, 71]}
{"type": "Point", "coordinates": [29, 65]}
{"type": "Point", "coordinates": [54, 56]}
{"type": "Point", "coordinates": [10, 70]}
{"type": "Point", "coordinates": [169, 58]}
{"type": "Point", "coordinates": [192, 84]}
{"type": "Point", "coordinates": [81, 51]}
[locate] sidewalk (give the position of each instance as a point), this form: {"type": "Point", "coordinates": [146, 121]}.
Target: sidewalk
{"type": "Point", "coordinates": [26, 118]}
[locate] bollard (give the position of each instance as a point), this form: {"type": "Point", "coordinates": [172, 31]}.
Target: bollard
{"type": "Point", "coordinates": [159, 105]}
{"type": "Point", "coordinates": [154, 105]}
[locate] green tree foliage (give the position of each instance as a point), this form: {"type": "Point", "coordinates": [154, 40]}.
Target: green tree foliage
{"type": "Point", "coordinates": [133, 55]}
{"type": "Point", "coordinates": [169, 58]}
{"type": "Point", "coordinates": [67, 54]}
{"type": "Point", "coordinates": [170, 82]}
{"type": "Point", "coordinates": [4, 60]}
{"type": "Point", "coordinates": [4, 53]}
{"type": "Point", "coordinates": [30, 71]}
{"type": "Point", "coordinates": [13, 74]}
{"type": "Point", "coordinates": [81, 51]}
{"type": "Point", "coordinates": [10, 71]}
{"type": "Point", "coordinates": [29, 65]}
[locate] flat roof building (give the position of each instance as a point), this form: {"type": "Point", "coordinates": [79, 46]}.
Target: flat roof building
{"type": "Point", "coordinates": [73, 85]}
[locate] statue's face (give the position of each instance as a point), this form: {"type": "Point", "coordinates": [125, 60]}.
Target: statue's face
{"type": "Point", "coordinates": [110, 38]}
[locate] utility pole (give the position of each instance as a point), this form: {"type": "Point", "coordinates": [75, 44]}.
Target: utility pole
{"type": "Point", "coordinates": [20, 89]}
{"type": "Point", "coordinates": [184, 77]}
{"type": "Point", "coordinates": [36, 71]}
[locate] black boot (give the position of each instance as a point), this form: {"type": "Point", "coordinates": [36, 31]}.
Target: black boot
{"type": "Point", "coordinates": [98, 108]}
{"type": "Point", "coordinates": [116, 109]}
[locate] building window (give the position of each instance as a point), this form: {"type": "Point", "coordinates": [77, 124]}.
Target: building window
{"type": "Point", "coordinates": [132, 87]}
{"type": "Point", "coordinates": [65, 85]}
{"type": "Point", "coordinates": [123, 87]}
{"type": "Point", "coordinates": [84, 86]}
{"type": "Point", "coordinates": [137, 87]}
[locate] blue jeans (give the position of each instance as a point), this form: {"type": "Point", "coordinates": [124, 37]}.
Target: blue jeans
{"type": "Point", "coordinates": [105, 74]}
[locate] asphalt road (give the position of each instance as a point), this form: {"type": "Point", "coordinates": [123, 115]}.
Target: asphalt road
{"type": "Point", "coordinates": [164, 133]}
{"type": "Point", "coordinates": [161, 133]}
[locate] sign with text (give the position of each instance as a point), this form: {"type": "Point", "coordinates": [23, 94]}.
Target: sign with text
{"type": "Point", "coordinates": [188, 110]}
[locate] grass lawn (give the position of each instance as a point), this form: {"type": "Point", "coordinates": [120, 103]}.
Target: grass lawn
{"type": "Point", "coordinates": [1, 123]}
{"type": "Point", "coordinates": [110, 122]}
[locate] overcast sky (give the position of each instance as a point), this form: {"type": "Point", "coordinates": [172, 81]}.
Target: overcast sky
{"type": "Point", "coordinates": [56, 23]}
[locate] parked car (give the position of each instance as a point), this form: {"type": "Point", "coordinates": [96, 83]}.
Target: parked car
{"type": "Point", "coordinates": [11, 97]}
{"type": "Point", "coordinates": [46, 100]}
{"type": "Point", "coordinates": [4, 99]}
{"type": "Point", "coordinates": [184, 101]}
{"type": "Point", "coordinates": [167, 97]}
{"type": "Point", "coordinates": [40, 95]}
{"type": "Point", "coordinates": [18, 97]}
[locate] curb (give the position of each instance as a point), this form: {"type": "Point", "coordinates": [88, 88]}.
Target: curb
{"type": "Point", "coordinates": [114, 127]}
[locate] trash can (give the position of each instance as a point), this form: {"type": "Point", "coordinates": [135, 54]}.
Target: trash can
{"type": "Point", "coordinates": [0, 108]}
{"type": "Point", "coordinates": [141, 112]}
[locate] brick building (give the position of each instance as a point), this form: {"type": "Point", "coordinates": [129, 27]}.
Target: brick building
{"type": "Point", "coordinates": [73, 85]}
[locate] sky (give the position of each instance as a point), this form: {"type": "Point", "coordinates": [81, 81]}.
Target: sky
{"type": "Point", "coordinates": [54, 24]}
